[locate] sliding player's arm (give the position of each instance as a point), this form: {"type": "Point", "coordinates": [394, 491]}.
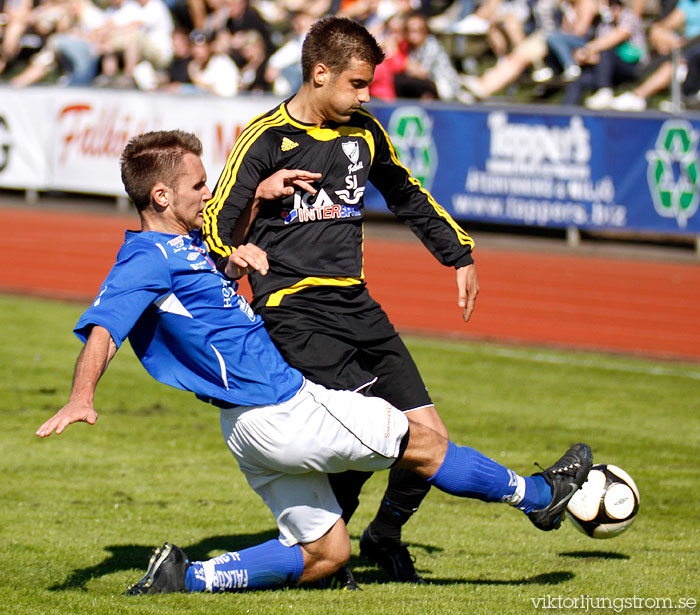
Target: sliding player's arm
{"type": "Point", "coordinates": [138, 278]}
{"type": "Point", "coordinates": [91, 364]}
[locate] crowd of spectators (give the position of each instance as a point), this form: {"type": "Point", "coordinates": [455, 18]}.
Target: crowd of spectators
{"type": "Point", "coordinates": [564, 51]}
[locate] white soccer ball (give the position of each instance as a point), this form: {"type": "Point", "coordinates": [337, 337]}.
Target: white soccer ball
{"type": "Point", "coordinates": [607, 503]}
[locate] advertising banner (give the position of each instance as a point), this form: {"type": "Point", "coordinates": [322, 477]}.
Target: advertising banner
{"type": "Point", "coordinates": [635, 173]}
{"type": "Point", "coordinates": [529, 166]}
{"type": "Point", "coordinates": [24, 134]}
{"type": "Point", "coordinates": [92, 127]}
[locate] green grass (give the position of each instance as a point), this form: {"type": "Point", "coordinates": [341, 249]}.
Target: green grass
{"type": "Point", "coordinates": [79, 513]}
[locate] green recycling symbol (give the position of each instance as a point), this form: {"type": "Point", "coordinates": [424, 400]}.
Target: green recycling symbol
{"type": "Point", "coordinates": [673, 172]}
{"type": "Point", "coordinates": [411, 131]}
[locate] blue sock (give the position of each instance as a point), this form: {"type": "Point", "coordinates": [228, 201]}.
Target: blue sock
{"type": "Point", "coordinates": [538, 493]}
{"type": "Point", "coordinates": [266, 565]}
{"type": "Point", "coordinates": [467, 473]}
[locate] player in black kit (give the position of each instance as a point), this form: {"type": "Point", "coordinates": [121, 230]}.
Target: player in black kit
{"type": "Point", "coordinates": [313, 300]}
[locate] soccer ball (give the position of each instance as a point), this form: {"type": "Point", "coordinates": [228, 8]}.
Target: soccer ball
{"type": "Point", "coordinates": [606, 504]}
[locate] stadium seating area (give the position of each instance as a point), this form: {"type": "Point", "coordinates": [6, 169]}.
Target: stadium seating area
{"type": "Point", "coordinates": [604, 54]}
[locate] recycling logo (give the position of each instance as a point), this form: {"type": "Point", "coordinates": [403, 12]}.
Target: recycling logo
{"type": "Point", "coordinates": [411, 131]}
{"type": "Point", "coordinates": [673, 172]}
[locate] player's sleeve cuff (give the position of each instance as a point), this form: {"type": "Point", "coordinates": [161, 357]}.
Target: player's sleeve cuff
{"type": "Point", "coordinates": [465, 260]}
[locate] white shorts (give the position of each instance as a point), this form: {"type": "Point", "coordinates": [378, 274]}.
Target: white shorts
{"type": "Point", "coordinates": [287, 450]}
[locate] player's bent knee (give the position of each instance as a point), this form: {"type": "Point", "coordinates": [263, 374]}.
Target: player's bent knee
{"type": "Point", "coordinates": [429, 417]}
{"type": "Point", "coordinates": [326, 555]}
{"type": "Point", "coordinates": [424, 452]}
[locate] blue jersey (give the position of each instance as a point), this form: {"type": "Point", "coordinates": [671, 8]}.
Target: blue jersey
{"type": "Point", "coordinates": [187, 324]}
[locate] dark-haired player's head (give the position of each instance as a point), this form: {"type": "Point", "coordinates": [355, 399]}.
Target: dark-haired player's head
{"type": "Point", "coordinates": [152, 158]}
{"type": "Point", "coordinates": [334, 42]}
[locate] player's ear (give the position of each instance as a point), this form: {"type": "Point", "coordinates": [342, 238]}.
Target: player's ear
{"type": "Point", "coordinates": [321, 75]}
{"type": "Point", "coordinates": [160, 195]}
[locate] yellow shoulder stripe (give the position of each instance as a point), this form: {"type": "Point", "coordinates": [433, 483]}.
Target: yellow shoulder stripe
{"type": "Point", "coordinates": [328, 134]}
{"type": "Point", "coordinates": [249, 135]}
{"type": "Point", "coordinates": [462, 236]}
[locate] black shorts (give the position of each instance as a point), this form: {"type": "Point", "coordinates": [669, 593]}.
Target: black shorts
{"type": "Point", "coordinates": [348, 351]}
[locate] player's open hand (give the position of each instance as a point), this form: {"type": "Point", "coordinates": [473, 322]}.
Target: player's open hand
{"type": "Point", "coordinates": [282, 183]}
{"type": "Point", "coordinates": [467, 290]}
{"type": "Point", "coordinates": [246, 259]}
{"type": "Point", "coordinates": [72, 412]}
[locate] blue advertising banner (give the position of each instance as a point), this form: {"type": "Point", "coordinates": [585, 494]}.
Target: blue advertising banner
{"type": "Point", "coordinates": [511, 166]}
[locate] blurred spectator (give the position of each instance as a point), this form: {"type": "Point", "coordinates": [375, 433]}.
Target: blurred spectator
{"type": "Point", "coordinates": [393, 41]}
{"type": "Point", "coordinates": [252, 73]}
{"type": "Point", "coordinates": [462, 17]}
{"type": "Point", "coordinates": [28, 26]}
{"type": "Point", "coordinates": [283, 71]}
{"type": "Point", "coordinates": [153, 37]}
{"type": "Point", "coordinates": [429, 72]}
{"type": "Point", "coordinates": [177, 74]}
{"type": "Point", "coordinates": [136, 31]}
{"type": "Point", "coordinates": [175, 77]}
{"type": "Point", "coordinates": [230, 20]}
{"type": "Point", "coordinates": [72, 50]}
{"type": "Point", "coordinates": [181, 12]}
{"type": "Point", "coordinates": [210, 69]}
{"type": "Point", "coordinates": [243, 17]}
{"type": "Point", "coordinates": [507, 21]}
{"type": "Point", "coordinates": [530, 52]}
{"type": "Point", "coordinates": [552, 28]}
{"type": "Point", "coordinates": [676, 30]}
{"type": "Point", "coordinates": [617, 54]}
{"type": "Point", "coordinates": [317, 8]}
{"type": "Point", "coordinates": [575, 31]}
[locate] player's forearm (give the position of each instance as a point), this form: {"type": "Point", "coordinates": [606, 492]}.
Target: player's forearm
{"type": "Point", "coordinates": [241, 229]}
{"type": "Point", "coordinates": [91, 364]}
{"type": "Point", "coordinates": [221, 220]}
{"type": "Point", "coordinates": [438, 231]}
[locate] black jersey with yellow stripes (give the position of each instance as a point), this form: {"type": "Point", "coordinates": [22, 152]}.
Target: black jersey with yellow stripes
{"type": "Point", "coordinates": [314, 242]}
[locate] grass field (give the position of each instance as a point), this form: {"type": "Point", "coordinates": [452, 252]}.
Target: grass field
{"type": "Point", "coordinates": [80, 513]}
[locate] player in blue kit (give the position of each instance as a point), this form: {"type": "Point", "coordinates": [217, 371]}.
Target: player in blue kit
{"type": "Point", "coordinates": [191, 330]}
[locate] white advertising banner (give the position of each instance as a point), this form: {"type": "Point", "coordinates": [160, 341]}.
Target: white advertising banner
{"type": "Point", "coordinates": [70, 139]}
{"type": "Point", "coordinates": [92, 127]}
{"type": "Point", "coordinates": [24, 135]}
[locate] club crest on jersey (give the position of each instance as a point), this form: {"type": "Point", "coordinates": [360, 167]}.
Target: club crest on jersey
{"type": "Point", "coordinates": [321, 207]}
{"type": "Point", "coordinates": [352, 150]}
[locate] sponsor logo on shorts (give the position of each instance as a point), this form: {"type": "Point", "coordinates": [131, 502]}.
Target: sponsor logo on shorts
{"type": "Point", "coordinates": [389, 410]}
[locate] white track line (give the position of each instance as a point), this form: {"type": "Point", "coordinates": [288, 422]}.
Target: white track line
{"type": "Point", "coordinates": [571, 361]}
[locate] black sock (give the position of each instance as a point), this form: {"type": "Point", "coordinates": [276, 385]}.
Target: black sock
{"type": "Point", "coordinates": [403, 496]}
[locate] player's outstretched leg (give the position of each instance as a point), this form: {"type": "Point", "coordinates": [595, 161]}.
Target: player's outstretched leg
{"type": "Point", "coordinates": [543, 496]}
{"type": "Point", "coordinates": [269, 564]}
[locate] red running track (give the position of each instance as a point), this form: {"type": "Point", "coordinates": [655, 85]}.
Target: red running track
{"type": "Point", "coordinates": [533, 297]}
